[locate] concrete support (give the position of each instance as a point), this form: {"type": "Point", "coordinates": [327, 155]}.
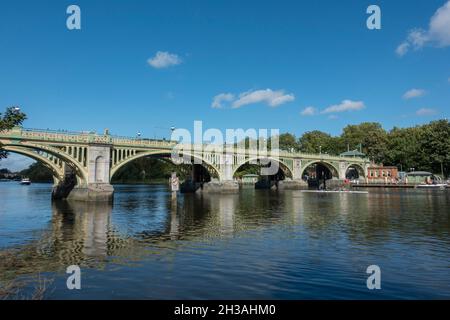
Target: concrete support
{"type": "Point", "coordinates": [62, 188]}
{"type": "Point", "coordinates": [227, 168]}
{"type": "Point", "coordinates": [221, 187]}
{"type": "Point", "coordinates": [101, 192]}
{"type": "Point", "coordinates": [226, 184]}
{"type": "Point", "coordinates": [342, 169]}
{"type": "Point", "coordinates": [297, 169]}
{"type": "Point", "coordinates": [96, 186]}
{"type": "Point", "coordinates": [297, 184]}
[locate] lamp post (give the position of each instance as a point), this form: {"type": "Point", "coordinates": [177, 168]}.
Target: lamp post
{"type": "Point", "coordinates": [172, 129]}
{"type": "Point", "coordinates": [320, 149]}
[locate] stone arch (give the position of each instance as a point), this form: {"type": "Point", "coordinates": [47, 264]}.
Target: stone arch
{"type": "Point", "coordinates": [359, 168]}
{"type": "Point", "coordinates": [58, 174]}
{"type": "Point", "coordinates": [79, 171]}
{"type": "Point", "coordinates": [286, 170]}
{"type": "Point", "coordinates": [211, 168]}
{"type": "Point", "coordinates": [333, 169]}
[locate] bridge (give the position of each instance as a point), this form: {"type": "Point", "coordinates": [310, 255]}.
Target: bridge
{"type": "Point", "coordinates": [83, 163]}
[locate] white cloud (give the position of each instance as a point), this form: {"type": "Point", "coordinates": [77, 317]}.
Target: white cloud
{"type": "Point", "coordinates": [438, 33]}
{"type": "Point", "coordinates": [345, 105]}
{"type": "Point", "coordinates": [332, 117]}
{"type": "Point", "coordinates": [402, 49]}
{"type": "Point", "coordinates": [220, 98]}
{"type": "Point", "coordinates": [164, 60]}
{"type": "Point", "coordinates": [426, 112]}
{"type": "Point", "coordinates": [414, 93]}
{"type": "Point", "coordinates": [267, 96]}
{"type": "Point", "coordinates": [308, 111]}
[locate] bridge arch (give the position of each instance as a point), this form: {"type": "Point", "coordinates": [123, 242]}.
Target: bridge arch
{"type": "Point", "coordinates": [359, 169]}
{"type": "Point", "coordinates": [29, 150]}
{"type": "Point", "coordinates": [332, 168]}
{"type": "Point", "coordinates": [283, 166]}
{"type": "Point", "coordinates": [211, 168]}
{"type": "Point", "coordinates": [57, 171]}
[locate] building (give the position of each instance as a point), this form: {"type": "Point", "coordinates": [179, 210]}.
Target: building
{"type": "Point", "coordinates": [382, 174]}
{"type": "Point", "coordinates": [419, 177]}
{"type": "Point", "coordinates": [353, 153]}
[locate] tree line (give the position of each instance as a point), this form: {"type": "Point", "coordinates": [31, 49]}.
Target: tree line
{"type": "Point", "coordinates": [422, 147]}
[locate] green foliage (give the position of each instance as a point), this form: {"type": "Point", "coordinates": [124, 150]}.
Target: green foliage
{"type": "Point", "coordinates": [286, 141]}
{"type": "Point", "coordinates": [425, 147]}
{"type": "Point", "coordinates": [370, 135]}
{"type": "Point", "coordinates": [247, 169]}
{"type": "Point", "coordinates": [37, 172]}
{"type": "Point", "coordinates": [316, 141]}
{"type": "Point", "coordinates": [145, 170]}
{"type": "Point", "coordinates": [12, 117]}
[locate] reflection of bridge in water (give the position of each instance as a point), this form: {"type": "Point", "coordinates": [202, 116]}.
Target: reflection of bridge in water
{"type": "Point", "coordinates": [139, 228]}
{"type": "Point", "coordinates": [85, 234]}
{"type": "Point", "coordinates": [83, 164]}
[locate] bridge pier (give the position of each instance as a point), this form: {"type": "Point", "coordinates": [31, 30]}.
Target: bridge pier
{"type": "Point", "coordinates": [100, 192]}
{"type": "Point", "coordinates": [62, 188]}
{"type": "Point", "coordinates": [95, 186]}
{"type": "Point", "coordinates": [296, 184]}
{"type": "Point", "coordinates": [215, 186]}
{"type": "Point", "coordinates": [226, 184]}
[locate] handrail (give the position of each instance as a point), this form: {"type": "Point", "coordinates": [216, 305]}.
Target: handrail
{"type": "Point", "coordinates": [93, 137]}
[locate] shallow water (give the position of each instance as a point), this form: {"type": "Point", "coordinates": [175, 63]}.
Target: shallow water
{"type": "Point", "coordinates": [257, 244]}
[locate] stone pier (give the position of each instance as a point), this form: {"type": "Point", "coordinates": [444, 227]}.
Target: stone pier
{"type": "Point", "coordinates": [221, 187]}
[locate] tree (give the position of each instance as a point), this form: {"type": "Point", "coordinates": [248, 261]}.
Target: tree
{"type": "Point", "coordinates": [435, 146]}
{"type": "Point", "coordinates": [317, 141]}
{"type": "Point", "coordinates": [403, 148]}
{"type": "Point", "coordinates": [370, 136]}
{"type": "Point", "coordinates": [286, 141]}
{"type": "Point", "coordinates": [37, 172]}
{"type": "Point", "coordinates": [12, 117]}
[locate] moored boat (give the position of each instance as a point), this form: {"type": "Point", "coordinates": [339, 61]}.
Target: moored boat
{"type": "Point", "coordinates": [432, 186]}
{"type": "Point", "coordinates": [25, 181]}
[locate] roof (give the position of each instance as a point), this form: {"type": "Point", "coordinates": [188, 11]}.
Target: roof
{"type": "Point", "coordinates": [353, 153]}
{"type": "Point", "coordinates": [419, 173]}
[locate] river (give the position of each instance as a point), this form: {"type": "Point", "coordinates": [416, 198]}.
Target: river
{"type": "Point", "coordinates": [258, 244]}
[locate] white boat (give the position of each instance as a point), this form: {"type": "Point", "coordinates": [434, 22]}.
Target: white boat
{"type": "Point", "coordinates": [25, 181]}
{"type": "Point", "coordinates": [334, 191]}
{"type": "Point", "coordinates": [432, 186]}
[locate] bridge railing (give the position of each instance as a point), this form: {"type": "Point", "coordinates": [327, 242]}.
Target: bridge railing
{"type": "Point", "coordinates": [93, 137]}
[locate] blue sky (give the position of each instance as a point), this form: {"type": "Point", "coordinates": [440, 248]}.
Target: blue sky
{"type": "Point", "coordinates": [268, 60]}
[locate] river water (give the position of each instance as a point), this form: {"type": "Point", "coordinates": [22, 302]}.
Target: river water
{"type": "Point", "coordinates": [258, 244]}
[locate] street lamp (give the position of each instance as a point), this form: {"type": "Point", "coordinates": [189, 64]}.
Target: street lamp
{"type": "Point", "coordinates": [320, 149]}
